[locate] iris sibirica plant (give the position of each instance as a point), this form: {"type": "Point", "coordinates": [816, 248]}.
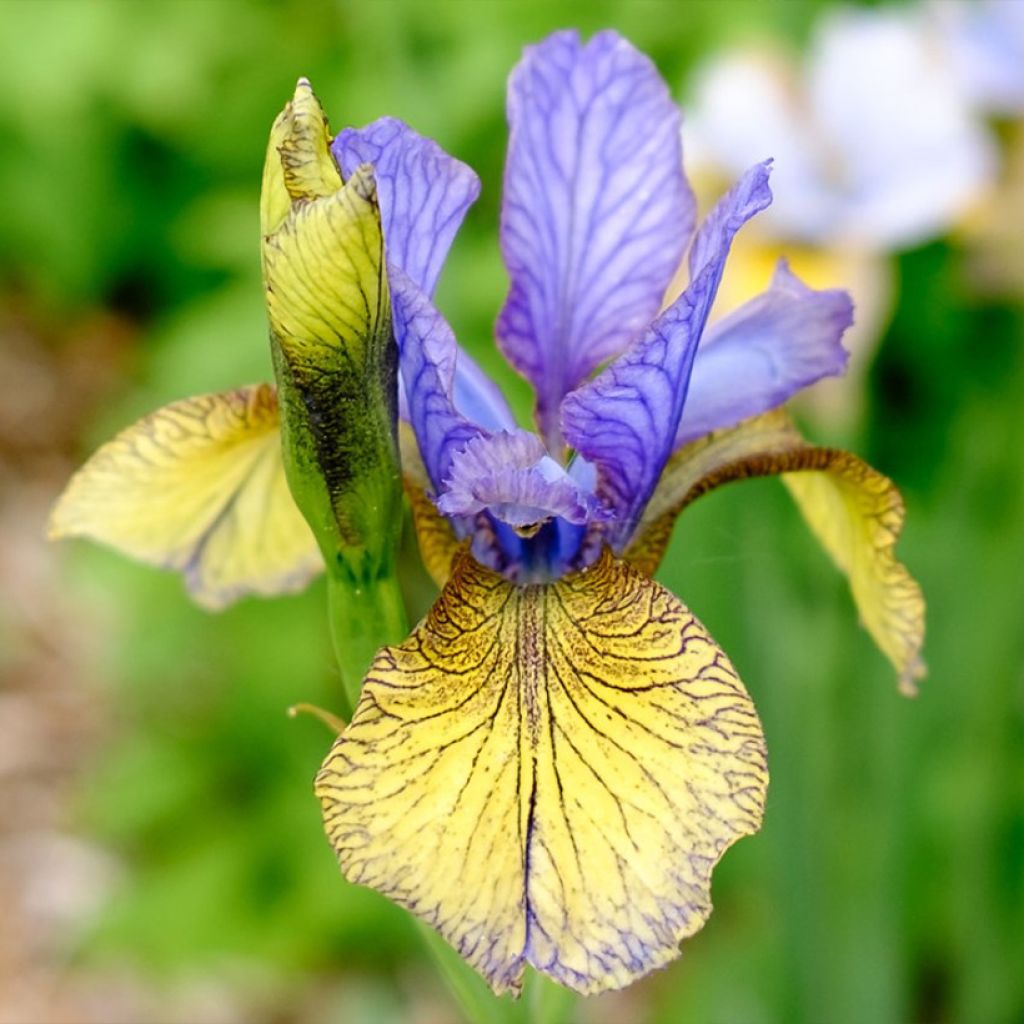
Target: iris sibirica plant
{"type": "Point", "coordinates": [548, 767]}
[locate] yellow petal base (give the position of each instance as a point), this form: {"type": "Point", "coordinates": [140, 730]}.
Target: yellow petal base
{"type": "Point", "coordinates": [548, 774]}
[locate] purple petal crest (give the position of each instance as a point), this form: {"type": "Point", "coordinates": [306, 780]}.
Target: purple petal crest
{"type": "Point", "coordinates": [511, 475]}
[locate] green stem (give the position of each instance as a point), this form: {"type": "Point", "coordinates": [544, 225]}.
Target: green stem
{"type": "Point", "coordinates": [364, 617]}
{"type": "Point", "coordinates": [479, 1005]}
{"type": "Point", "coordinates": [546, 1002]}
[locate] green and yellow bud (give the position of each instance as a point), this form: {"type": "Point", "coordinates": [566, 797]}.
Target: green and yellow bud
{"type": "Point", "coordinates": [334, 353]}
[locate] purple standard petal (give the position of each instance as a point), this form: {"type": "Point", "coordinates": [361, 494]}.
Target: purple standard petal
{"type": "Point", "coordinates": [427, 356]}
{"type": "Point", "coordinates": [625, 420]}
{"type": "Point", "coordinates": [475, 395]}
{"type": "Point", "coordinates": [423, 193]}
{"type": "Point", "coordinates": [759, 356]}
{"type": "Point", "coordinates": [511, 475]}
{"type": "Point", "coordinates": [478, 398]}
{"type": "Point", "coordinates": [596, 212]}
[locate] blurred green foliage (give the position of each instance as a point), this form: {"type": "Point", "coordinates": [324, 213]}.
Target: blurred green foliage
{"type": "Point", "coordinates": [888, 883]}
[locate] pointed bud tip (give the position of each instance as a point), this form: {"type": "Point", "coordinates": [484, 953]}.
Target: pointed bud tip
{"type": "Point", "coordinates": [303, 98]}
{"type": "Point", "coordinates": [299, 162]}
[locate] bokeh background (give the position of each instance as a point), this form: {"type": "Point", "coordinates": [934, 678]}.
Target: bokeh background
{"type": "Point", "coordinates": [161, 855]}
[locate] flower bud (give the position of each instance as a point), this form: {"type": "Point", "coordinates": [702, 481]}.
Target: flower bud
{"type": "Point", "coordinates": [331, 336]}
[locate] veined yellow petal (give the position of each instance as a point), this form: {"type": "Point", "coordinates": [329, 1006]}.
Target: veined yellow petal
{"type": "Point", "coordinates": [434, 535]}
{"type": "Point", "coordinates": [548, 774]}
{"type": "Point", "coordinates": [199, 487]}
{"type": "Point", "coordinates": [857, 514]}
{"type": "Point", "coordinates": [855, 511]}
{"type": "Point", "coordinates": [749, 449]}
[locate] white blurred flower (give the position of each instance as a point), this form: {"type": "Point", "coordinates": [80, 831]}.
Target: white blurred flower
{"type": "Point", "coordinates": [875, 142]}
{"type": "Point", "coordinates": [878, 147]}
{"type": "Point", "coordinates": [986, 41]}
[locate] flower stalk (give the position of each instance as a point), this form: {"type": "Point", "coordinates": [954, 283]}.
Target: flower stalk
{"type": "Point", "coordinates": [364, 616]}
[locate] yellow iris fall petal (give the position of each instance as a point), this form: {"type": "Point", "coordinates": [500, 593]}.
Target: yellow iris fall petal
{"type": "Point", "coordinates": [548, 774]}
{"type": "Point", "coordinates": [857, 514]}
{"type": "Point", "coordinates": [199, 487]}
{"type": "Point", "coordinates": [855, 511]}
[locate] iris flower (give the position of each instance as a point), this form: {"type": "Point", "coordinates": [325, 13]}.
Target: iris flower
{"type": "Point", "coordinates": [548, 768]}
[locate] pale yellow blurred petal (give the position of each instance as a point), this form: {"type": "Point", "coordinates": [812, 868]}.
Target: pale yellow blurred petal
{"type": "Point", "coordinates": [993, 234]}
{"type": "Point", "coordinates": [198, 486]}
{"type": "Point", "coordinates": [548, 774]}
{"type": "Point", "coordinates": [855, 511]}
